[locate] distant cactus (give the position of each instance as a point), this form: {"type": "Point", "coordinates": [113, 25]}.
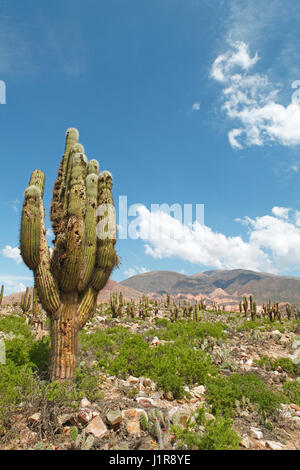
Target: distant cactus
{"type": "Point", "coordinates": [68, 282]}
{"type": "Point", "coordinates": [253, 310]}
{"type": "Point", "coordinates": [116, 304]}
{"type": "Point", "coordinates": [131, 309]}
{"type": "Point", "coordinates": [25, 303]}
{"type": "Point", "coordinates": [245, 305]}
{"type": "Point", "coordinates": [35, 304]}
{"type": "Point", "coordinates": [196, 314]}
{"type": "Point", "coordinates": [1, 294]}
{"type": "Point", "coordinates": [288, 311]}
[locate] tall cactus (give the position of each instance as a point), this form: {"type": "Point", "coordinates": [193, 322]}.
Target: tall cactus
{"type": "Point", "coordinates": [68, 282]}
{"type": "Point", "coordinates": [1, 294]}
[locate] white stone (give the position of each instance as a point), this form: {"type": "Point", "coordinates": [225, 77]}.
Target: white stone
{"type": "Point", "coordinates": [256, 433]}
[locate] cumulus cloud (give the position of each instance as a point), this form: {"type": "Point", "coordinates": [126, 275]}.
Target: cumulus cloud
{"type": "Point", "coordinates": [196, 107]}
{"type": "Point", "coordinates": [272, 244]}
{"type": "Point", "coordinates": [250, 100]}
{"type": "Point", "coordinates": [13, 253]}
{"type": "Point", "coordinates": [135, 270]}
{"type": "Point", "coordinates": [13, 284]}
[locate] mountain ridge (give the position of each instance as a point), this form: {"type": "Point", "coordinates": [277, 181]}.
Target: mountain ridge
{"type": "Point", "coordinates": [235, 283]}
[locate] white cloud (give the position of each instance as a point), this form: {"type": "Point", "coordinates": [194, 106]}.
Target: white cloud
{"type": "Point", "coordinates": [282, 212]}
{"type": "Point", "coordinates": [49, 232]}
{"type": "Point", "coordinates": [237, 57]}
{"type": "Point", "coordinates": [13, 284]}
{"type": "Point", "coordinates": [273, 241]}
{"type": "Point", "coordinates": [196, 107]}
{"type": "Point", "coordinates": [13, 253]}
{"type": "Point", "coordinates": [135, 270]}
{"type": "Point", "coordinates": [250, 100]}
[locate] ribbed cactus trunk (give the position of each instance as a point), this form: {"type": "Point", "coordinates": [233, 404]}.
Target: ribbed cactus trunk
{"type": "Point", "coordinates": [64, 339]}
{"type": "Point", "coordinates": [83, 221]}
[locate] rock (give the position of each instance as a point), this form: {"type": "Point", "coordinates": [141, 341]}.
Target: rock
{"type": "Point", "coordinates": [169, 396]}
{"type": "Point", "coordinates": [35, 418]}
{"type": "Point", "coordinates": [65, 418]}
{"type": "Point", "coordinates": [295, 407]}
{"type": "Point", "coordinates": [155, 341]}
{"type": "Point", "coordinates": [84, 403]}
{"type": "Point", "coordinates": [198, 391]}
{"type": "Point", "coordinates": [132, 380]}
{"type": "Point", "coordinates": [100, 319]}
{"type": "Point", "coordinates": [209, 417]}
{"type": "Point", "coordinates": [114, 417]}
{"type": "Point", "coordinates": [133, 427]}
{"type": "Point", "coordinates": [274, 445]}
{"type": "Point", "coordinates": [85, 415]}
{"type": "Point", "coordinates": [256, 433]}
{"type": "Point", "coordinates": [132, 417]}
{"type": "Point", "coordinates": [134, 413]}
{"type": "Point", "coordinates": [97, 428]}
{"type": "Point", "coordinates": [145, 401]}
{"type": "Point", "coordinates": [249, 442]}
{"type": "Point", "coordinates": [147, 383]}
{"type": "Point", "coordinates": [296, 344]}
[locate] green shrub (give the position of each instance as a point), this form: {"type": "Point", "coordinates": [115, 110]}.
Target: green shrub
{"type": "Point", "coordinates": [17, 383]}
{"type": "Point", "coordinates": [291, 390]}
{"type": "Point", "coordinates": [222, 392]}
{"type": "Point", "coordinates": [171, 366]}
{"type": "Point", "coordinates": [216, 435]}
{"type": "Point", "coordinates": [284, 362]}
{"type": "Point", "coordinates": [15, 325]}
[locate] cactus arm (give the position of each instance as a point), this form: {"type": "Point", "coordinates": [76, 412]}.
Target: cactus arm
{"type": "Point", "coordinates": [73, 255]}
{"type": "Point", "coordinates": [106, 258]}
{"type": "Point", "coordinates": [90, 241]}
{"type": "Point", "coordinates": [86, 307]}
{"type": "Point", "coordinates": [34, 247]}
{"type": "Point", "coordinates": [31, 220]}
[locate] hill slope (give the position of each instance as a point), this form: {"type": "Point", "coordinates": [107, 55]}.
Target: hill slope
{"type": "Point", "coordinates": [234, 283]}
{"type": "Point", "coordinates": [104, 295]}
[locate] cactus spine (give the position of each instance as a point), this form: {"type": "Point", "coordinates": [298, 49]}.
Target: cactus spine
{"type": "Point", "coordinates": [68, 282]}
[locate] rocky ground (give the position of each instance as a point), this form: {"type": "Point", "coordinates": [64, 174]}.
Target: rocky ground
{"type": "Point", "coordinates": [133, 413]}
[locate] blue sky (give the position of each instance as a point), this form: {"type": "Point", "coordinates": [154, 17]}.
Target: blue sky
{"type": "Point", "coordinates": [184, 101]}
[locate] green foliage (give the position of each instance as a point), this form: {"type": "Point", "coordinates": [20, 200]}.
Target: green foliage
{"type": "Point", "coordinates": [188, 331]}
{"type": "Point", "coordinates": [17, 384]}
{"type": "Point", "coordinates": [291, 390]}
{"type": "Point", "coordinates": [284, 362]}
{"type": "Point", "coordinates": [171, 365]}
{"type": "Point", "coordinates": [15, 325]}
{"type": "Point", "coordinates": [223, 392]}
{"type": "Point", "coordinates": [202, 434]}
{"type": "Point", "coordinates": [39, 353]}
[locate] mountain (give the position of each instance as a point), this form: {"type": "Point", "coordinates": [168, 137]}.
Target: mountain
{"type": "Point", "coordinates": [231, 285]}
{"type": "Point", "coordinates": [104, 295]}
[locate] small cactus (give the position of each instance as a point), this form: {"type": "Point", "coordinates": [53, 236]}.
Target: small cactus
{"type": "Point", "coordinates": [81, 441]}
